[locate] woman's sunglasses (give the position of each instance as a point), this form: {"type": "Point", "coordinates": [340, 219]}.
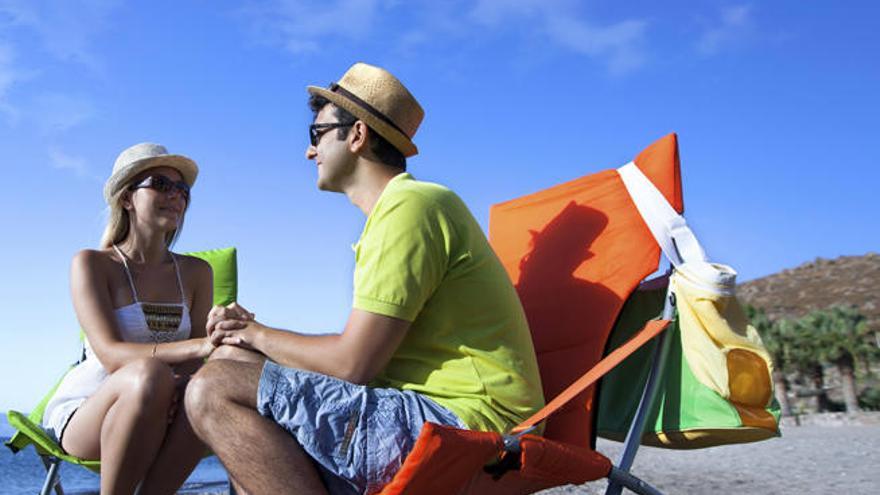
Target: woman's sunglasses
{"type": "Point", "coordinates": [164, 185]}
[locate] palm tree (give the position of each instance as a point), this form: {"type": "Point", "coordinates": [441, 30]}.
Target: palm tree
{"type": "Point", "coordinates": [777, 343]}
{"type": "Point", "coordinates": [844, 336]}
{"type": "Point", "coordinates": [805, 357]}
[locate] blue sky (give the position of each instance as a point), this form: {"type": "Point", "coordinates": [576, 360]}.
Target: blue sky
{"type": "Point", "coordinates": [775, 104]}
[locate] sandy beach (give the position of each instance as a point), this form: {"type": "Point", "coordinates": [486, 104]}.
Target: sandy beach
{"type": "Point", "coordinates": [832, 456]}
{"type": "Point", "coordinates": [829, 453]}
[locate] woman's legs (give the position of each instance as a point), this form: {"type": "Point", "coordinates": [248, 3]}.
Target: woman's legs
{"type": "Point", "coordinates": [123, 423]}
{"type": "Point", "coordinates": [182, 449]}
{"type": "Point", "coordinates": [180, 453]}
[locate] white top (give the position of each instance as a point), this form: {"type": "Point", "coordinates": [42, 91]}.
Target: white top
{"type": "Point", "coordinates": [140, 322]}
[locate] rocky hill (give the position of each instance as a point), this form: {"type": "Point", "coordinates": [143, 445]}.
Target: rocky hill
{"type": "Point", "coordinates": [847, 280]}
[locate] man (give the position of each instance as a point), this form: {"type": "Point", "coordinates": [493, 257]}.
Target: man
{"type": "Point", "coordinates": [436, 332]}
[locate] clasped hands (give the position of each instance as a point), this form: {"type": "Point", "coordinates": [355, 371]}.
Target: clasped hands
{"type": "Point", "coordinates": [232, 325]}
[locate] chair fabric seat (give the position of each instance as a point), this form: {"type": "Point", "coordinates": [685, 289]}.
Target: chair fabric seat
{"type": "Point", "coordinates": [451, 460]}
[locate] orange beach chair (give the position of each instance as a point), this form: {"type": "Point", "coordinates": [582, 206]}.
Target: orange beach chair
{"type": "Point", "coordinates": [575, 252]}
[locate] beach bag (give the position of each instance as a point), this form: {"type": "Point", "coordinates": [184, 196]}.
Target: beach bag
{"type": "Point", "coordinates": [716, 386]}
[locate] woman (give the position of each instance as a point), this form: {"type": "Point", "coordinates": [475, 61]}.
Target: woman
{"type": "Point", "coordinates": [143, 310]}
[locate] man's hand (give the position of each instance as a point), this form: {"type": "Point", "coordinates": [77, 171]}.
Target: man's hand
{"type": "Point", "coordinates": [223, 313]}
{"type": "Point", "coordinates": [235, 332]}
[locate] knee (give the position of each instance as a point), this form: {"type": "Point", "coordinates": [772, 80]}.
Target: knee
{"type": "Point", "coordinates": [204, 393]}
{"type": "Point", "coordinates": [225, 352]}
{"type": "Point", "coordinates": [234, 353]}
{"type": "Point", "coordinates": [149, 381]}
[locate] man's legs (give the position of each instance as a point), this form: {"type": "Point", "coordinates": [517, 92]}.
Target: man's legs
{"type": "Point", "coordinates": [260, 455]}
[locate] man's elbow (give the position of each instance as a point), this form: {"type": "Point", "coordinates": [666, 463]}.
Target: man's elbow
{"type": "Point", "coordinates": [357, 374]}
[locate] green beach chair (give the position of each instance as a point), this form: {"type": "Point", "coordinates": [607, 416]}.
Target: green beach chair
{"type": "Point", "coordinates": [28, 430]}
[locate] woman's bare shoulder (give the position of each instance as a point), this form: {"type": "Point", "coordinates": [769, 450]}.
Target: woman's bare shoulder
{"type": "Point", "coordinates": [195, 267]}
{"type": "Point", "coordinates": [93, 264]}
{"type": "Point", "coordinates": [193, 262]}
{"type": "Point", "coordinates": [94, 259]}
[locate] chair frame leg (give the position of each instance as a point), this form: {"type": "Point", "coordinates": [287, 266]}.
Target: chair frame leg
{"type": "Point", "coordinates": [52, 464]}
{"type": "Point", "coordinates": [625, 479]}
{"type": "Point", "coordinates": [634, 435]}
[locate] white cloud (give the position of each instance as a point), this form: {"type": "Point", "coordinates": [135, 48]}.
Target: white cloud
{"type": "Point", "coordinates": [495, 12]}
{"type": "Point", "coordinates": [10, 75]}
{"type": "Point", "coordinates": [734, 24]}
{"type": "Point", "coordinates": [302, 26]}
{"type": "Point", "coordinates": [17, 12]}
{"type": "Point", "coordinates": [620, 45]}
{"type": "Point", "coordinates": [66, 29]}
{"type": "Point", "coordinates": [60, 160]}
{"type": "Point", "coordinates": [7, 77]}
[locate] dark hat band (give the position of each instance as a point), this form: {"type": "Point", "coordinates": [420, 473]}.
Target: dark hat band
{"type": "Point", "coordinates": [366, 106]}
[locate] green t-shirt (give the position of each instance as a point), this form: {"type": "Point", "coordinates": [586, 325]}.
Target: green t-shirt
{"type": "Point", "coordinates": [422, 257]}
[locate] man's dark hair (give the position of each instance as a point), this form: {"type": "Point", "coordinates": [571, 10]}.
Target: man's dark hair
{"type": "Point", "coordinates": [383, 150]}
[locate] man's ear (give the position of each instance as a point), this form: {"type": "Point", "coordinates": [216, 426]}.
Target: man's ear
{"type": "Point", "coordinates": [358, 137]}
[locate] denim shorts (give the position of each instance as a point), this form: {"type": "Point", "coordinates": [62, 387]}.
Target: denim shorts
{"type": "Point", "coordinates": [358, 436]}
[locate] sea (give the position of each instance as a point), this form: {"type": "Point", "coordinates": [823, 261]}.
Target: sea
{"type": "Point", "coordinates": [23, 473]}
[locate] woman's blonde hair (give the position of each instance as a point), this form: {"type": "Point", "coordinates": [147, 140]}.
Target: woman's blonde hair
{"type": "Point", "coordinates": [119, 223]}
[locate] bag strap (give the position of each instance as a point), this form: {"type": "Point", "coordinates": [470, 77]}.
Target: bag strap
{"type": "Point", "coordinates": [669, 229]}
{"type": "Point", "coordinates": [648, 332]}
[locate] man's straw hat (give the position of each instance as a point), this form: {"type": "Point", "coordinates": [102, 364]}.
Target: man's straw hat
{"type": "Point", "coordinates": [377, 98]}
{"type": "Point", "coordinates": [143, 156]}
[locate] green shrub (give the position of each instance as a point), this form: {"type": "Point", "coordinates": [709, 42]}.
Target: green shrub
{"type": "Point", "coordinates": [869, 399]}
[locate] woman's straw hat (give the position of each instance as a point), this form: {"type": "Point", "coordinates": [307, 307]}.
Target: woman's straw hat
{"type": "Point", "coordinates": [143, 156]}
{"type": "Point", "coordinates": [377, 98]}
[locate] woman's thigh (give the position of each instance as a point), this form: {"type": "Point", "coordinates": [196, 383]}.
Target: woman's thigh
{"type": "Point", "coordinates": [144, 377]}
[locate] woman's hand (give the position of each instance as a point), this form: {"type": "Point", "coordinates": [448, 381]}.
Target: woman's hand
{"type": "Point", "coordinates": [206, 347]}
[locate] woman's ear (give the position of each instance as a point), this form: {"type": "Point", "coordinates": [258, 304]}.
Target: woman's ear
{"type": "Point", "coordinates": [125, 200]}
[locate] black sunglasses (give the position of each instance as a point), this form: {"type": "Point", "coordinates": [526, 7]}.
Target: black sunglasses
{"type": "Point", "coordinates": [318, 130]}
{"type": "Point", "coordinates": [164, 185]}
